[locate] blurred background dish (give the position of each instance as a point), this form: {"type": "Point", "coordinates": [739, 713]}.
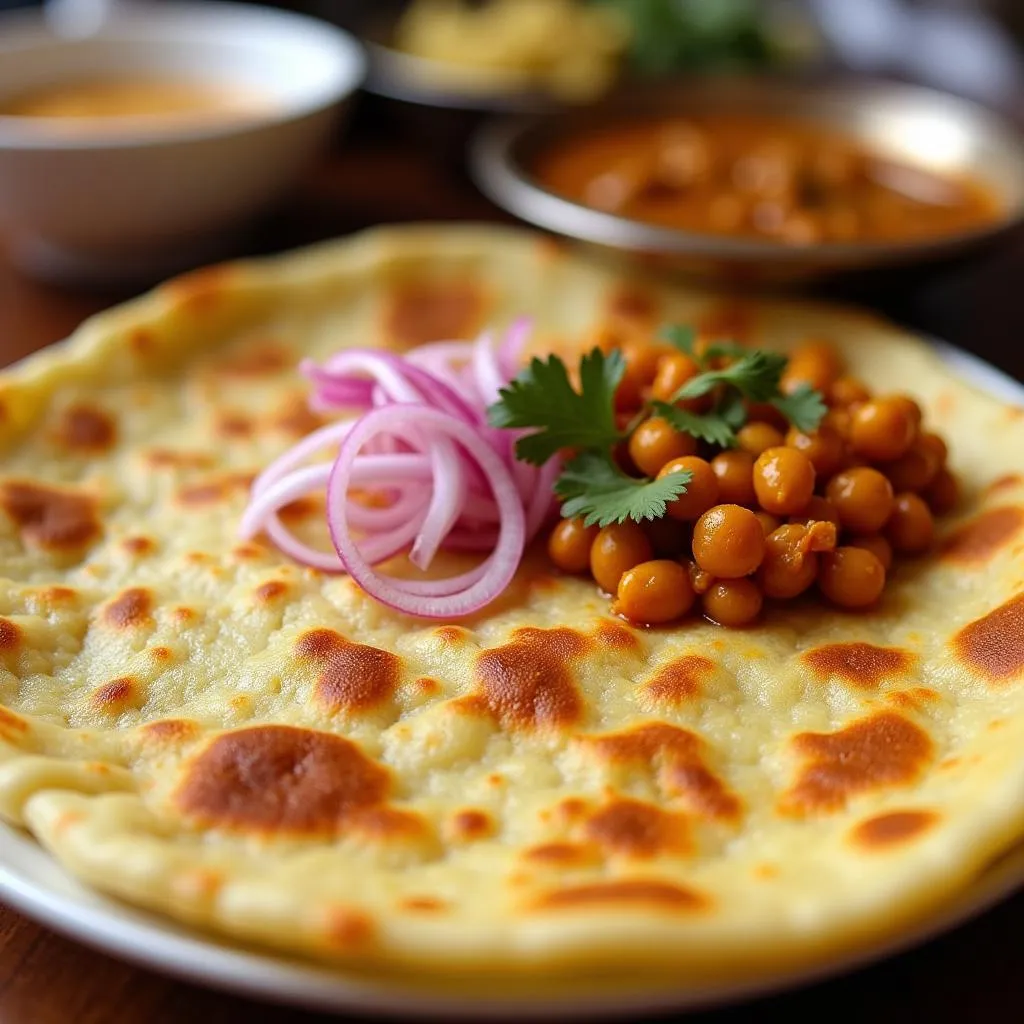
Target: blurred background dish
{"type": "Point", "coordinates": [810, 179]}
{"type": "Point", "coordinates": [133, 152]}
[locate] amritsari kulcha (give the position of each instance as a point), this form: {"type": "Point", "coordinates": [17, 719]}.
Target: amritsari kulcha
{"type": "Point", "coordinates": [200, 725]}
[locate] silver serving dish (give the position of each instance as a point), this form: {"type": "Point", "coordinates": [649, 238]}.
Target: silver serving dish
{"type": "Point", "coordinates": [919, 126]}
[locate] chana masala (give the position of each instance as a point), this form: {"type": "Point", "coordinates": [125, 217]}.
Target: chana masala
{"type": "Point", "coordinates": [687, 471]}
{"type": "Point", "coordinates": [785, 181]}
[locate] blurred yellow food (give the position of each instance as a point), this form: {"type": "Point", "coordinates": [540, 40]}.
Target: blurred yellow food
{"type": "Point", "coordinates": [563, 47]}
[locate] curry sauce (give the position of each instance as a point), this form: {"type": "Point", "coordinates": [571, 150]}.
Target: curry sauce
{"type": "Point", "coordinates": [784, 181]}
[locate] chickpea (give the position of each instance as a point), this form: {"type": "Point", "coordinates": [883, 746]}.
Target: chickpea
{"type": "Point", "coordinates": [936, 445]}
{"type": "Point", "coordinates": [818, 510]}
{"type": "Point", "coordinates": [570, 543]}
{"type": "Point", "coordinates": [917, 468]}
{"type": "Point", "coordinates": [701, 492]}
{"type": "Point", "coordinates": [789, 566]}
{"type": "Point", "coordinates": [851, 577]}
{"type": "Point", "coordinates": [757, 436]}
{"type": "Point", "coordinates": [943, 493]}
{"type": "Point", "coordinates": [728, 541]}
{"type": "Point", "coordinates": [616, 549]}
{"type": "Point", "coordinates": [839, 420]}
{"type": "Point", "coordinates": [732, 603]}
{"type": "Point", "coordinates": [824, 448]}
{"type": "Point", "coordinates": [783, 480]}
{"type": "Point", "coordinates": [769, 523]}
{"type": "Point", "coordinates": [910, 529]}
{"type": "Point", "coordinates": [654, 592]}
{"type": "Point", "coordinates": [909, 406]}
{"type": "Point", "coordinates": [700, 580]}
{"type": "Point", "coordinates": [674, 370]}
{"type": "Point", "coordinates": [863, 498]}
{"type": "Point", "coordinates": [877, 545]}
{"type": "Point", "coordinates": [669, 538]}
{"type": "Point", "coordinates": [734, 470]}
{"type": "Point", "coordinates": [848, 391]}
{"type": "Point", "coordinates": [815, 363]}
{"type": "Point", "coordinates": [882, 429]}
{"type": "Point", "coordinates": [642, 360]}
{"type": "Point", "coordinates": [656, 442]}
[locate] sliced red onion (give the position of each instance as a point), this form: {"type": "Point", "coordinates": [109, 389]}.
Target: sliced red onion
{"type": "Point", "coordinates": [429, 598]}
{"type": "Point", "coordinates": [489, 380]}
{"type": "Point", "coordinates": [510, 351]}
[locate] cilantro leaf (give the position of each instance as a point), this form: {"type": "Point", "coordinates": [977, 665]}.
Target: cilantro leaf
{"type": "Point", "coordinates": [729, 349]}
{"type": "Point", "coordinates": [595, 488]}
{"type": "Point", "coordinates": [733, 410]}
{"type": "Point", "coordinates": [804, 407]}
{"type": "Point", "coordinates": [543, 397]}
{"type": "Point", "coordinates": [680, 337]}
{"type": "Point", "coordinates": [712, 427]}
{"type": "Point", "coordinates": [756, 376]}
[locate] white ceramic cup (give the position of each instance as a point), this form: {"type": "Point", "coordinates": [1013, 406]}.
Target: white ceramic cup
{"type": "Point", "coordinates": [107, 204]}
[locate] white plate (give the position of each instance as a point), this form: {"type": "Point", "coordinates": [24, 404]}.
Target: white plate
{"type": "Point", "coordinates": [32, 882]}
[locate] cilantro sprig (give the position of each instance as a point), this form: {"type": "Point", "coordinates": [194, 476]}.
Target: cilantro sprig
{"type": "Point", "coordinates": [559, 417]}
{"type": "Point", "coordinates": [596, 489]}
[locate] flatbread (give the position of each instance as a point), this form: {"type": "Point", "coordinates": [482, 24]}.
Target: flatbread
{"type": "Point", "coordinates": [196, 725]}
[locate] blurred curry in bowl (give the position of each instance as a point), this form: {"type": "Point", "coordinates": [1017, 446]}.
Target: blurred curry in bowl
{"type": "Point", "coordinates": [761, 177]}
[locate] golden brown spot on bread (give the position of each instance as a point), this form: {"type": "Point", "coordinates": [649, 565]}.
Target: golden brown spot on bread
{"type": "Point", "coordinates": [563, 855]}
{"type": "Point", "coordinates": [884, 831]}
{"type": "Point", "coordinates": [10, 635]}
{"type": "Point", "coordinates": [993, 646]}
{"type": "Point", "coordinates": [423, 904]}
{"type": "Point", "coordinates": [861, 664]}
{"type": "Point", "coordinates": [51, 597]}
{"type": "Point", "coordinates": [294, 417]}
{"type": "Point", "coordinates": [633, 828]}
{"type": "Point", "coordinates": [270, 591]}
{"type": "Point", "coordinates": [630, 302]}
{"type": "Point", "coordinates": [234, 425]}
{"type": "Point", "coordinates": [625, 892]}
{"type": "Point", "coordinates": [980, 539]}
{"type": "Point", "coordinates": [675, 756]}
{"type": "Point", "coordinates": [1004, 483]}
{"type": "Point", "coordinates": [427, 686]}
{"type": "Point", "coordinates": [171, 730]}
{"type": "Point", "coordinates": [616, 637]}
{"type": "Point", "coordinates": [347, 928]}
{"type": "Point", "coordinates": [353, 677]}
{"type": "Point", "coordinates": [766, 872]}
{"type": "Point", "coordinates": [142, 341]}
{"type": "Point", "coordinates": [83, 428]}
{"type": "Point", "coordinates": [529, 682]}
{"type": "Point", "coordinates": [161, 653]}
{"type": "Point", "coordinates": [213, 491]}
{"type": "Point", "coordinates": [117, 695]}
{"type": "Point", "coordinates": [48, 517]}
{"type": "Point", "coordinates": [201, 290]}
{"type": "Point", "coordinates": [262, 358]}
{"type": "Point", "coordinates": [184, 614]}
{"type": "Point", "coordinates": [452, 636]}
{"type": "Point", "coordinates": [872, 753]}
{"type": "Point", "coordinates": [278, 779]}
{"type": "Point", "coordinates": [677, 681]}
{"type": "Point", "coordinates": [727, 319]}
{"type": "Point", "coordinates": [248, 550]}
{"type": "Point", "coordinates": [913, 699]}
{"type": "Point", "coordinates": [138, 545]}
{"type": "Point", "coordinates": [301, 508]}
{"type": "Point", "coordinates": [161, 458]}
{"type": "Point", "coordinates": [470, 825]}
{"type": "Point", "coordinates": [434, 311]}
{"type": "Point", "coordinates": [389, 824]}
{"type": "Point", "coordinates": [571, 809]}
{"type": "Point", "coordinates": [131, 609]}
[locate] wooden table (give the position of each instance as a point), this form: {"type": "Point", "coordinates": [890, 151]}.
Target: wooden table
{"type": "Point", "coordinates": [973, 974]}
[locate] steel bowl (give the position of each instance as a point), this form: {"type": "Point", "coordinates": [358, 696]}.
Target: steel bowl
{"type": "Point", "coordinates": [919, 126]}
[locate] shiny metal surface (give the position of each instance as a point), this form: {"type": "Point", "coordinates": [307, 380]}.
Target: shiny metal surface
{"type": "Point", "coordinates": [921, 126]}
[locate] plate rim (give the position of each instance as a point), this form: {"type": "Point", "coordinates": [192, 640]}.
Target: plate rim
{"type": "Point", "coordinates": [147, 940]}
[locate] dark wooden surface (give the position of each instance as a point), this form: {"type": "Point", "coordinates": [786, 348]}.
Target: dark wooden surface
{"type": "Point", "coordinates": [973, 974]}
